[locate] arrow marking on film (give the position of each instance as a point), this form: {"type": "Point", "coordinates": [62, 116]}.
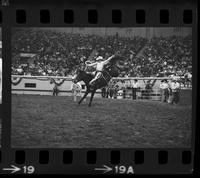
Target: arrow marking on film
{"type": "Point", "coordinates": [104, 168]}
{"type": "Point", "coordinates": [13, 169]}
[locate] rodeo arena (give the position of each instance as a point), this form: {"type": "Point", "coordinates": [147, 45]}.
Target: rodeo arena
{"type": "Point", "coordinates": [140, 78]}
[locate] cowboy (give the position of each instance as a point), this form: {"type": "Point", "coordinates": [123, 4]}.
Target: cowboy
{"type": "Point", "coordinates": [55, 90]}
{"type": "Point", "coordinates": [135, 87]}
{"type": "Point", "coordinates": [99, 64]}
{"type": "Point", "coordinates": [187, 79]}
{"type": "Point", "coordinates": [149, 87]}
{"type": "Point", "coordinates": [175, 87]}
{"type": "Point", "coordinates": [164, 86]}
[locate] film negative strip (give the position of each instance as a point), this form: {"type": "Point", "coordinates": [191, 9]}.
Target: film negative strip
{"type": "Point", "coordinates": [137, 59]}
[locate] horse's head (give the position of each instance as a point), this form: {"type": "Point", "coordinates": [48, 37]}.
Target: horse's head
{"type": "Point", "coordinates": [118, 60]}
{"type": "Point", "coordinates": [116, 65]}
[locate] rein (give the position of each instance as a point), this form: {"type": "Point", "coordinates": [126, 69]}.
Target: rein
{"type": "Point", "coordinates": [104, 77]}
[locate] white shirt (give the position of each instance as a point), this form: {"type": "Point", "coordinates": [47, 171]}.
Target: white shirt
{"type": "Point", "coordinates": [99, 65]}
{"type": "Point", "coordinates": [135, 85]}
{"type": "Point", "coordinates": [164, 86]}
{"type": "Point", "coordinates": [174, 86]}
{"type": "Point", "coordinates": [188, 75]}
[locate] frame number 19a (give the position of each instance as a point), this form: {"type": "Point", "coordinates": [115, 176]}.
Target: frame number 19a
{"type": "Point", "coordinates": [124, 170]}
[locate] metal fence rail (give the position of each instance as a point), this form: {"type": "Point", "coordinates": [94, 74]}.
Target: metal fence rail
{"type": "Point", "coordinates": [139, 94]}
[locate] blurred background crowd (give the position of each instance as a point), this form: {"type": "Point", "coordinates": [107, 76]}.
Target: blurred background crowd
{"type": "Point", "coordinates": [59, 53]}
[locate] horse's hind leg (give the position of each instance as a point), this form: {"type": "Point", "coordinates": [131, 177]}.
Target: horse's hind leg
{"type": "Point", "coordinates": [86, 93]}
{"type": "Point", "coordinates": [92, 95]}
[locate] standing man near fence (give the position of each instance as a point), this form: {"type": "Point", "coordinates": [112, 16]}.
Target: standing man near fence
{"type": "Point", "coordinates": [135, 87]}
{"type": "Point", "coordinates": [55, 90]}
{"type": "Point", "coordinates": [164, 86]}
{"type": "Point", "coordinates": [103, 92]}
{"type": "Point", "coordinates": [123, 87]}
{"type": "Point", "coordinates": [175, 91]}
{"type": "Point", "coordinates": [149, 87]}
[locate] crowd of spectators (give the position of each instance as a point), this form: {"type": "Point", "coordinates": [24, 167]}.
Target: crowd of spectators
{"type": "Point", "coordinates": [59, 53]}
{"type": "Point", "coordinates": [166, 56]}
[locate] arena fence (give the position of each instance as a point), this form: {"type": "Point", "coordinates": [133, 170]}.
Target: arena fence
{"type": "Point", "coordinates": [154, 94]}
{"type": "Point", "coordinates": [44, 85]}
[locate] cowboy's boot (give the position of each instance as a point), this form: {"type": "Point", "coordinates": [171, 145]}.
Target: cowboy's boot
{"type": "Point", "coordinates": [92, 86]}
{"type": "Point", "coordinates": [92, 82]}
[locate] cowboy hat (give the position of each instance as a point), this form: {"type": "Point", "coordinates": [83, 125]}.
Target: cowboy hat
{"type": "Point", "coordinates": [99, 58]}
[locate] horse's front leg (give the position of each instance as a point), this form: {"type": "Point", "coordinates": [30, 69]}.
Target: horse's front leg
{"type": "Point", "coordinates": [92, 95]}
{"type": "Point", "coordinates": [86, 93]}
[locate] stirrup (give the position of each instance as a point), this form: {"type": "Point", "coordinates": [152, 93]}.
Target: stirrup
{"type": "Point", "coordinates": [91, 87]}
{"type": "Point", "coordinates": [92, 84]}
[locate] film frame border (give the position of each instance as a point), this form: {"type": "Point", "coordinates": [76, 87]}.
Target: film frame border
{"type": "Point", "coordinates": [104, 156]}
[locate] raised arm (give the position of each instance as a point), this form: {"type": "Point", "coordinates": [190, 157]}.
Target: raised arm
{"type": "Point", "coordinates": [107, 60]}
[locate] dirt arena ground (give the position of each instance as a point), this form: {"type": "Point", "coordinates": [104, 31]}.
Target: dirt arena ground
{"type": "Point", "coordinates": [59, 122]}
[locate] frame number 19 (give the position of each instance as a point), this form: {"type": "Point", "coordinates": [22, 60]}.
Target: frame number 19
{"type": "Point", "coordinates": [28, 169]}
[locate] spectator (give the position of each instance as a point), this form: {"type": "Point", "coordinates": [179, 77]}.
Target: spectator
{"type": "Point", "coordinates": [148, 88]}
{"type": "Point", "coordinates": [175, 90]}
{"type": "Point", "coordinates": [135, 87]}
{"type": "Point", "coordinates": [104, 92]}
{"type": "Point", "coordinates": [55, 90]}
{"type": "Point", "coordinates": [58, 54]}
{"type": "Point", "coordinates": [164, 86]}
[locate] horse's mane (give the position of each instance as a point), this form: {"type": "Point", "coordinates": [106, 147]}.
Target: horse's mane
{"type": "Point", "coordinates": [83, 71]}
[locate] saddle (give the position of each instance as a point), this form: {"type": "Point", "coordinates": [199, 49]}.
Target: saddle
{"type": "Point", "coordinates": [105, 75]}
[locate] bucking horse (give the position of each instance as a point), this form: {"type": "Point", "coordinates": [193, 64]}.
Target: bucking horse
{"type": "Point", "coordinates": [112, 69]}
